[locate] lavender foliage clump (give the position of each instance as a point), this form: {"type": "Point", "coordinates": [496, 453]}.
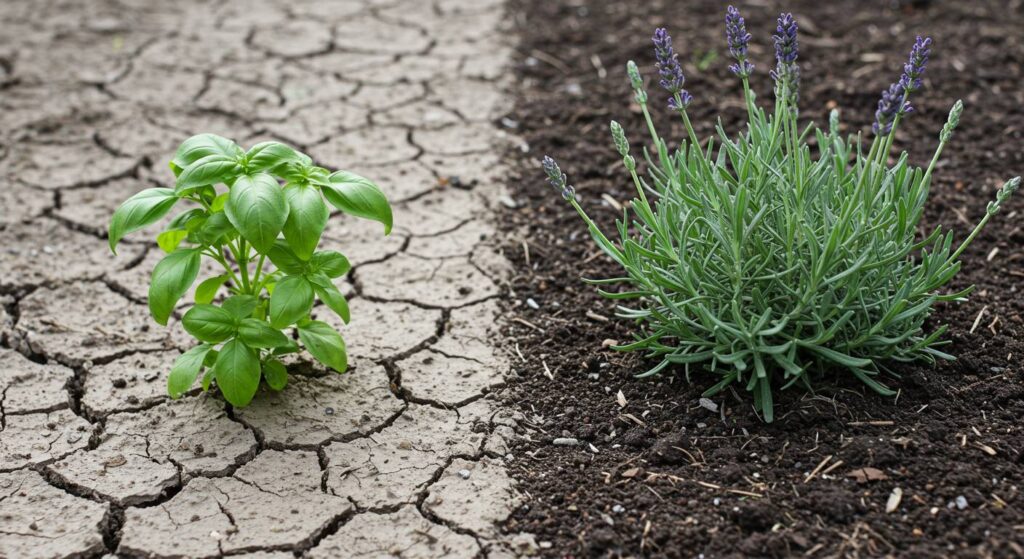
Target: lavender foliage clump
{"type": "Point", "coordinates": [671, 73]}
{"type": "Point", "coordinates": [779, 256]}
{"type": "Point", "coordinates": [739, 40]}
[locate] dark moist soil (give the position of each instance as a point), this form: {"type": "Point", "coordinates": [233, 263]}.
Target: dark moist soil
{"type": "Point", "coordinates": [668, 478]}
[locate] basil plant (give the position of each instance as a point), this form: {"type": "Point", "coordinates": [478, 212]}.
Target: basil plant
{"type": "Point", "coordinates": [259, 215]}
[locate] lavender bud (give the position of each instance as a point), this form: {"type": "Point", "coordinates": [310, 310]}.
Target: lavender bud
{"type": "Point", "coordinates": [952, 122]}
{"type": "Point", "coordinates": [738, 38]}
{"type": "Point", "coordinates": [833, 122]}
{"type": "Point", "coordinates": [557, 178]}
{"type": "Point", "coordinates": [1003, 195]}
{"type": "Point", "coordinates": [889, 106]}
{"type": "Point", "coordinates": [672, 78]}
{"type": "Point", "coordinates": [786, 52]}
{"type": "Point", "coordinates": [619, 137]}
{"type": "Point", "coordinates": [636, 81]}
{"type": "Point", "coordinates": [915, 66]}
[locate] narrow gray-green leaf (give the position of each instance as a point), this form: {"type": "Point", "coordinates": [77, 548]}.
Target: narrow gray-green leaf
{"type": "Point", "coordinates": [185, 370]}
{"type": "Point", "coordinates": [142, 209]}
{"type": "Point", "coordinates": [291, 301]}
{"type": "Point", "coordinates": [358, 196]}
{"type": "Point", "coordinates": [172, 277]}
{"type": "Point", "coordinates": [325, 344]}
{"type": "Point", "coordinates": [257, 208]}
{"type": "Point", "coordinates": [307, 217]}
{"type": "Point", "coordinates": [237, 372]}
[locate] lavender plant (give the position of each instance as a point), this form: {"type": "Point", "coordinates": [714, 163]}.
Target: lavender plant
{"type": "Point", "coordinates": [766, 263]}
{"type": "Point", "coordinates": [265, 236]}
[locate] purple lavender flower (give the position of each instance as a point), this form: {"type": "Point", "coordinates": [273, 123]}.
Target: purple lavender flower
{"type": "Point", "coordinates": [672, 78]}
{"type": "Point", "coordinates": [786, 52]}
{"type": "Point", "coordinates": [889, 107]}
{"type": "Point", "coordinates": [557, 178]}
{"type": "Point", "coordinates": [738, 38]}
{"type": "Point", "coordinates": [914, 68]}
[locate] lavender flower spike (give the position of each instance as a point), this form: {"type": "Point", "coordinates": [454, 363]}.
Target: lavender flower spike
{"type": "Point", "coordinates": [738, 38]}
{"type": "Point", "coordinates": [557, 178]}
{"type": "Point", "coordinates": [914, 68]}
{"type": "Point", "coordinates": [672, 78]}
{"type": "Point", "coordinates": [889, 106]}
{"type": "Point", "coordinates": [787, 50]}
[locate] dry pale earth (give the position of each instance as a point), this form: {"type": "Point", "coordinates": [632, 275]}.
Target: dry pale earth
{"type": "Point", "coordinates": [403, 456]}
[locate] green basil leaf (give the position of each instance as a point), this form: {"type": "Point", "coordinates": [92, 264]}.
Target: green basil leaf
{"type": "Point", "coordinates": [285, 259]}
{"type": "Point", "coordinates": [185, 370]}
{"type": "Point", "coordinates": [329, 294]}
{"type": "Point", "coordinates": [358, 196]}
{"type": "Point", "coordinates": [257, 208]}
{"type": "Point", "coordinates": [292, 347]}
{"type": "Point", "coordinates": [211, 169]}
{"type": "Point", "coordinates": [202, 145]}
{"type": "Point", "coordinates": [208, 376]}
{"type": "Point", "coordinates": [324, 343]}
{"type": "Point", "coordinates": [182, 220]}
{"type": "Point", "coordinates": [237, 372]}
{"type": "Point", "coordinates": [207, 290]}
{"type": "Point", "coordinates": [331, 263]}
{"type": "Point", "coordinates": [265, 156]}
{"type": "Point", "coordinates": [257, 333]}
{"type": "Point", "coordinates": [168, 241]}
{"type": "Point", "coordinates": [307, 217]}
{"type": "Point", "coordinates": [215, 230]}
{"type": "Point", "coordinates": [275, 374]}
{"type": "Point", "coordinates": [291, 301]}
{"type": "Point", "coordinates": [240, 306]}
{"type": "Point", "coordinates": [141, 210]}
{"type": "Point", "coordinates": [209, 323]}
{"type": "Point", "coordinates": [171, 278]}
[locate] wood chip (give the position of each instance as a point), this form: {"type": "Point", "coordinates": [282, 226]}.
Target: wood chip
{"type": "Point", "coordinates": [894, 500]}
{"type": "Point", "coordinates": [864, 475]}
{"type": "Point", "coordinates": [621, 399]}
{"type": "Point", "coordinates": [985, 448]}
{"type": "Point", "coordinates": [609, 343]}
{"type": "Point", "coordinates": [631, 473]}
{"type": "Point", "coordinates": [594, 316]}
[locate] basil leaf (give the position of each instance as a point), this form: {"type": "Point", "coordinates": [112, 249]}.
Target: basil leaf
{"type": "Point", "coordinates": [358, 196]}
{"type": "Point", "coordinates": [141, 210]}
{"type": "Point", "coordinates": [257, 208]}
{"type": "Point", "coordinates": [324, 343]}
{"type": "Point", "coordinates": [215, 229]}
{"type": "Point", "coordinates": [185, 218]}
{"type": "Point", "coordinates": [168, 241]}
{"type": "Point", "coordinates": [185, 370]}
{"type": "Point", "coordinates": [285, 259]}
{"type": "Point", "coordinates": [237, 372]}
{"type": "Point", "coordinates": [329, 294]}
{"type": "Point", "coordinates": [207, 290]}
{"type": "Point", "coordinates": [209, 323]}
{"type": "Point", "coordinates": [291, 301]}
{"type": "Point", "coordinates": [307, 217]}
{"type": "Point", "coordinates": [240, 306]}
{"type": "Point", "coordinates": [211, 169]}
{"type": "Point", "coordinates": [275, 374]}
{"type": "Point", "coordinates": [202, 145]}
{"type": "Point", "coordinates": [171, 278]}
{"type": "Point", "coordinates": [268, 155]}
{"type": "Point", "coordinates": [257, 333]}
{"type": "Point", "coordinates": [331, 263]}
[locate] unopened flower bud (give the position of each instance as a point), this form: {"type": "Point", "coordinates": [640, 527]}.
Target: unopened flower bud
{"type": "Point", "coordinates": [952, 122]}
{"type": "Point", "coordinates": [619, 137]}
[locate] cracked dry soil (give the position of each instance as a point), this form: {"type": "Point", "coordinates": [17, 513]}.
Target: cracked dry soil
{"type": "Point", "coordinates": [404, 455]}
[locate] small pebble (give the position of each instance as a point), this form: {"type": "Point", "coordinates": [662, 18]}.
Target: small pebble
{"type": "Point", "coordinates": [464, 474]}
{"type": "Point", "coordinates": [716, 501]}
{"type": "Point", "coordinates": [961, 502]}
{"type": "Point", "coordinates": [707, 404]}
{"type": "Point", "coordinates": [328, 411]}
{"type": "Point", "coordinates": [618, 509]}
{"type": "Point", "coordinates": [532, 304]}
{"type": "Point", "coordinates": [565, 441]}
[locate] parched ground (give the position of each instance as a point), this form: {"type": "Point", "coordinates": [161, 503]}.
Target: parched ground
{"type": "Point", "coordinates": [405, 455]}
